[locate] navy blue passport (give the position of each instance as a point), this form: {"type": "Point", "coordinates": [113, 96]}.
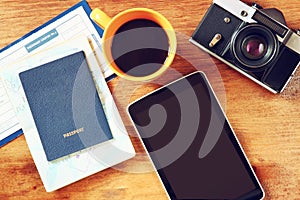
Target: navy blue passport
{"type": "Point", "coordinates": [65, 106]}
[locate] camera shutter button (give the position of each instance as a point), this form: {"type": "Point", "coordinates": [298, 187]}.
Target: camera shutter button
{"type": "Point", "coordinates": [244, 13]}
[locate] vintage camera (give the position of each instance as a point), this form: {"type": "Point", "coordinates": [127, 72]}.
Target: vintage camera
{"type": "Point", "coordinates": [254, 41]}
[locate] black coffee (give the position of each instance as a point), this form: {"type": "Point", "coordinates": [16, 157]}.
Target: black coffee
{"type": "Point", "coordinates": [140, 47]}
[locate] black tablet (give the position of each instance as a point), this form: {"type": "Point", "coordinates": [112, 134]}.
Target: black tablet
{"type": "Point", "coordinates": [191, 143]}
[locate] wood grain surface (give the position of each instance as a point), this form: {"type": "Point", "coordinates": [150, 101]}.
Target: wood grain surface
{"type": "Point", "coordinates": [266, 125]}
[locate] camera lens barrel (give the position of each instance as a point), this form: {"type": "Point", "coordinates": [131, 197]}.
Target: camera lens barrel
{"type": "Point", "coordinates": [254, 46]}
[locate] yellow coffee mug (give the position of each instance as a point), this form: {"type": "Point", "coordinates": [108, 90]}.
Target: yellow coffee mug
{"type": "Point", "coordinates": [111, 26]}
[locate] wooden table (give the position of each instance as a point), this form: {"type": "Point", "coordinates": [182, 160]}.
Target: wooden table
{"type": "Point", "coordinates": [266, 125]}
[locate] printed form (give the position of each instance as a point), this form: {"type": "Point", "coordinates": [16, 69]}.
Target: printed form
{"type": "Point", "coordinates": [74, 23]}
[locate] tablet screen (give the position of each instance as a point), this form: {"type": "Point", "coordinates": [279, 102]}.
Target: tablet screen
{"type": "Point", "coordinates": [191, 144]}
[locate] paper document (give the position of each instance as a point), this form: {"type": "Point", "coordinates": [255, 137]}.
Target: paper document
{"type": "Point", "coordinates": [72, 22]}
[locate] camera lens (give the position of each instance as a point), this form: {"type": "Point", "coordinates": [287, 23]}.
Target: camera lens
{"type": "Point", "coordinates": [254, 46]}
